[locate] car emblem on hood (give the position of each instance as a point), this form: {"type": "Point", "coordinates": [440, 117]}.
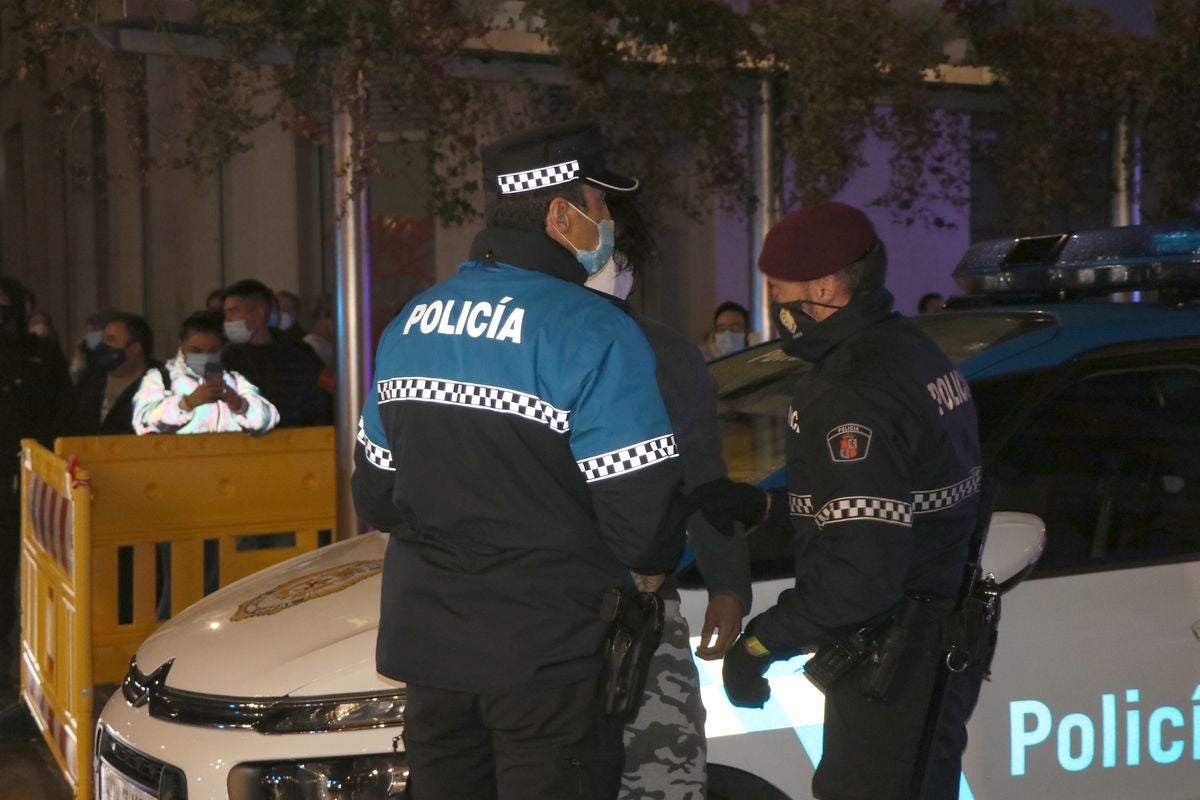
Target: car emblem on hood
{"type": "Point", "coordinates": [308, 587]}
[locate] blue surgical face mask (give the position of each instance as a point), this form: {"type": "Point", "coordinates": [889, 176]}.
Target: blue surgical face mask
{"type": "Point", "coordinates": [727, 342]}
{"type": "Point", "coordinates": [594, 260]}
{"type": "Point", "coordinates": [237, 332]}
{"type": "Point", "coordinates": [92, 340]}
{"type": "Point", "coordinates": [196, 362]}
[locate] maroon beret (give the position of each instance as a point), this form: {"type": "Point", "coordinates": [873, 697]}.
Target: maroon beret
{"type": "Point", "coordinates": [816, 241]}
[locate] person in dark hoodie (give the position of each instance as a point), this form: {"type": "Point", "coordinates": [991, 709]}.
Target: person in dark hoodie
{"type": "Point", "coordinates": [284, 370]}
{"type": "Point", "coordinates": [665, 748]}
{"type": "Point", "coordinates": [33, 380]}
{"type": "Point", "coordinates": [102, 403]}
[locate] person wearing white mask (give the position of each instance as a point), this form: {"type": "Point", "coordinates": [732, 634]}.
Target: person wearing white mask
{"type": "Point", "coordinates": [665, 746]}
{"type": "Point", "coordinates": [192, 394]}
{"type": "Point", "coordinates": [285, 371]}
{"type": "Point", "coordinates": [729, 332]}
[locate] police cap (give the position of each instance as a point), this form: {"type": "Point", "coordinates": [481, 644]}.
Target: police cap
{"type": "Point", "coordinates": [550, 156]}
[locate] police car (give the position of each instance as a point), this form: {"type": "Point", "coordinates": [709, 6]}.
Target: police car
{"type": "Point", "coordinates": [1089, 406]}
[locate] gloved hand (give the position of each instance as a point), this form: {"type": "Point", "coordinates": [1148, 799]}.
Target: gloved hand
{"type": "Point", "coordinates": [724, 502]}
{"type": "Point", "coordinates": [743, 674]}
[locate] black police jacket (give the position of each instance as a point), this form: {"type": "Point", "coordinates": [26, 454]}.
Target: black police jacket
{"type": "Point", "coordinates": [517, 449]}
{"type": "Point", "coordinates": [883, 470]}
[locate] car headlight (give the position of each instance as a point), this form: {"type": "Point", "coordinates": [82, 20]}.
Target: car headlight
{"type": "Point", "coordinates": [380, 777]}
{"type": "Point", "coordinates": [332, 714]}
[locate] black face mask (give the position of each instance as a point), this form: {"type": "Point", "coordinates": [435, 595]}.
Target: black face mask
{"type": "Point", "coordinates": [6, 315]}
{"type": "Point", "coordinates": [790, 320]}
{"type": "Point", "coordinates": [107, 357]}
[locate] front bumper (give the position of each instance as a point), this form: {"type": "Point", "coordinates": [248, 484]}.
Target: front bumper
{"type": "Point", "coordinates": [205, 757]}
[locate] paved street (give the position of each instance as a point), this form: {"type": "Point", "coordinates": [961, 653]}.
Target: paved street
{"type": "Point", "coordinates": [27, 770]}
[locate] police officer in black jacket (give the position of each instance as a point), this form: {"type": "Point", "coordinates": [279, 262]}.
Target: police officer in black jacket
{"type": "Point", "coordinates": [883, 474]}
{"type": "Point", "coordinates": [33, 379]}
{"type": "Point", "coordinates": [518, 451]}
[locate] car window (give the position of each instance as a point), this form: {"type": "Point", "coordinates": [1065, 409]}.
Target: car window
{"type": "Point", "coordinates": [1111, 462]}
{"type": "Point", "coordinates": [755, 386]}
{"type": "Point", "coordinates": [962, 335]}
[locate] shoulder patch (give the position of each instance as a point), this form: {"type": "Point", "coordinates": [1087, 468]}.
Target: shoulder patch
{"type": "Point", "coordinates": [849, 442]}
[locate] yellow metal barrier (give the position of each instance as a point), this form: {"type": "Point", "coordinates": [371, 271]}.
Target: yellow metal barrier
{"type": "Point", "coordinates": [96, 516]}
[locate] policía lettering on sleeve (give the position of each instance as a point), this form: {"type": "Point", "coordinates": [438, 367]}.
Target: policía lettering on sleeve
{"type": "Point", "coordinates": [471, 318]}
{"type": "Point", "coordinates": [949, 391]}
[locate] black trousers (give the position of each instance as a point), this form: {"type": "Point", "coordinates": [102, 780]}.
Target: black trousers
{"type": "Point", "coordinates": [871, 749]}
{"type": "Point", "coordinates": [10, 604]}
{"type": "Point", "coordinates": [555, 743]}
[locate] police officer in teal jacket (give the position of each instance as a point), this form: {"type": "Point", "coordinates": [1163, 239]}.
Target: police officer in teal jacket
{"type": "Point", "coordinates": [516, 448]}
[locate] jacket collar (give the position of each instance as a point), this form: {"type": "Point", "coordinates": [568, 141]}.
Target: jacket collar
{"type": "Point", "coordinates": [527, 250]}
{"type": "Point", "coordinates": [856, 316]}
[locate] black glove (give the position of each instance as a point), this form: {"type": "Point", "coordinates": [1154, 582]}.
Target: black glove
{"type": "Point", "coordinates": [743, 674]}
{"type": "Point", "coordinates": [724, 502]}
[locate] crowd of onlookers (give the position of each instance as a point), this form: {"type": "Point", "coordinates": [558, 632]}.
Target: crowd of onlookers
{"type": "Point", "coordinates": [243, 363]}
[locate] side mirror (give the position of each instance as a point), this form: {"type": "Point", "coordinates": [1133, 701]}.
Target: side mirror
{"type": "Point", "coordinates": [1014, 544]}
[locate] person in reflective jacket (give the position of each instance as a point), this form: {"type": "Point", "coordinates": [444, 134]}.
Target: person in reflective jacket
{"type": "Point", "coordinates": [516, 448]}
{"type": "Point", "coordinates": [883, 480]}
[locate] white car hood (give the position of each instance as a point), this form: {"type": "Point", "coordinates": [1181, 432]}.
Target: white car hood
{"type": "Point", "coordinates": [304, 627]}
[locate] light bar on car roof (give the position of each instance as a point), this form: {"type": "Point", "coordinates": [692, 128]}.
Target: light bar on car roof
{"type": "Point", "coordinates": [1087, 262]}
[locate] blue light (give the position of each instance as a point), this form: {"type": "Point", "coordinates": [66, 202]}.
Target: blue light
{"type": "Point", "coordinates": [1175, 242]}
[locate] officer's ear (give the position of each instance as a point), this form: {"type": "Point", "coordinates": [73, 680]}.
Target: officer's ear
{"type": "Point", "coordinates": [557, 218]}
{"type": "Point", "coordinates": [830, 287]}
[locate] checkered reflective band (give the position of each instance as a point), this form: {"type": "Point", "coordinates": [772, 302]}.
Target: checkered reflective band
{"type": "Point", "coordinates": [474, 395]}
{"type": "Point", "coordinates": [378, 456]}
{"type": "Point", "coordinates": [925, 502]}
{"type": "Point", "coordinates": [880, 509]}
{"type": "Point", "coordinates": [628, 459]}
{"type": "Point", "coordinates": [553, 175]}
{"type": "Point", "coordinates": [800, 505]}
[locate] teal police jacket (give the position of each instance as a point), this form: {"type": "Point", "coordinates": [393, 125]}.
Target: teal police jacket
{"type": "Point", "coordinates": [517, 449]}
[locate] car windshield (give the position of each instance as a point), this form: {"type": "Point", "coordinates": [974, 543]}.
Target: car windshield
{"type": "Point", "coordinates": [754, 387]}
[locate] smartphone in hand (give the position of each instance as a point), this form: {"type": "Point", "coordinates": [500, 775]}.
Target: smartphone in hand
{"type": "Point", "coordinates": [213, 374]}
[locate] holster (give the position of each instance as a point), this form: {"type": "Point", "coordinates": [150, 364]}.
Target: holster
{"type": "Point", "coordinates": [878, 648]}
{"type": "Point", "coordinates": [889, 648]}
{"type": "Point", "coordinates": [970, 633]}
{"type": "Point", "coordinates": [635, 626]}
{"type": "Point", "coordinates": [834, 661]}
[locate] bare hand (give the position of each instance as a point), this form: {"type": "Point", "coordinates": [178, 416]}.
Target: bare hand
{"type": "Point", "coordinates": [722, 618]}
{"type": "Point", "coordinates": [205, 393]}
{"type": "Point", "coordinates": [237, 404]}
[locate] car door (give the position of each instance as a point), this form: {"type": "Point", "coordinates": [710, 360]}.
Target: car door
{"type": "Point", "coordinates": [1094, 690]}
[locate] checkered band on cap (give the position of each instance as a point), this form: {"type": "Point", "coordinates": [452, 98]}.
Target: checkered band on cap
{"type": "Point", "coordinates": [930, 500]}
{"type": "Point", "coordinates": [378, 456]}
{"type": "Point", "coordinates": [628, 459]}
{"type": "Point", "coordinates": [800, 505]}
{"type": "Point", "coordinates": [880, 509]}
{"type": "Point", "coordinates": [553, 175]}
{"type": "Point", "coordinates": [474, 395]}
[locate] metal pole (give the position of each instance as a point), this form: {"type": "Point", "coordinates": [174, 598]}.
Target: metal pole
{"type": "Point", "coordinates": [767, 191]}
{"type": "Point", "coordinates": [353, 312]}
{"type": "Point", "coordinates": [1122, 198]}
